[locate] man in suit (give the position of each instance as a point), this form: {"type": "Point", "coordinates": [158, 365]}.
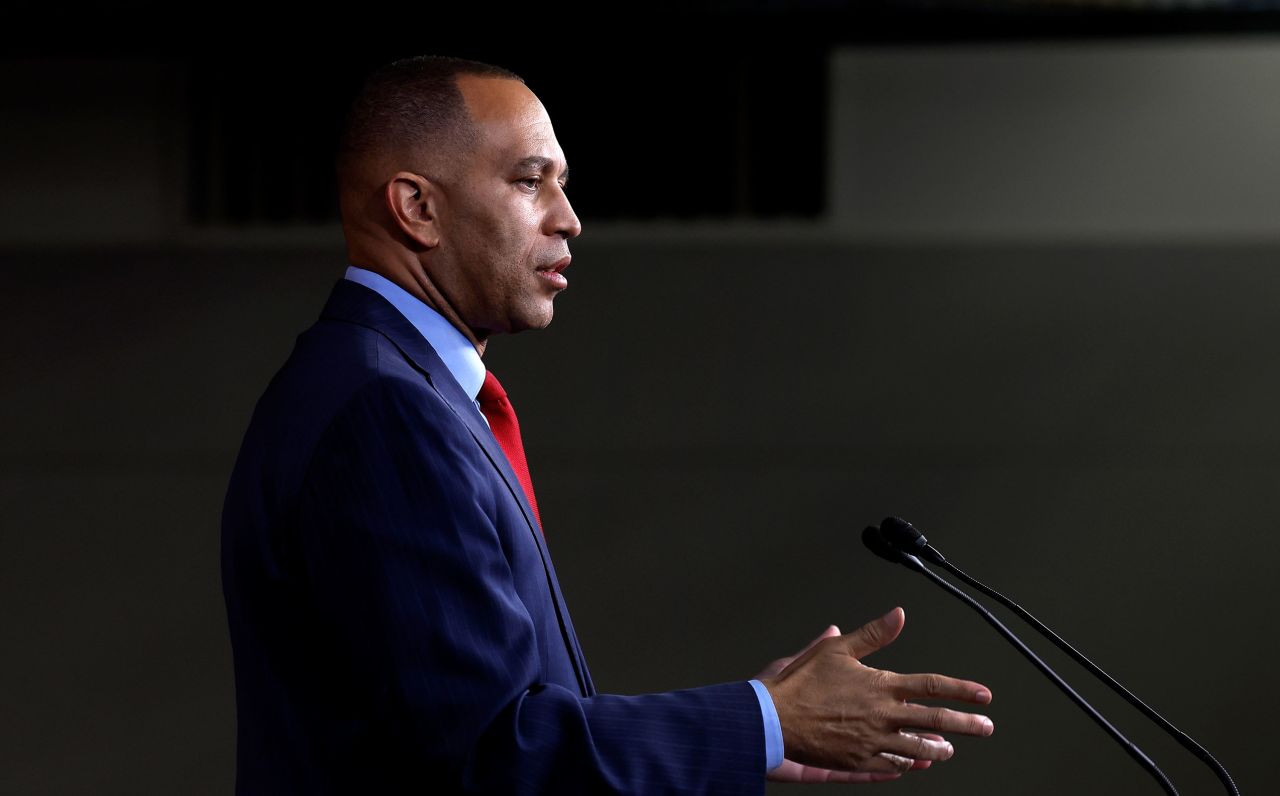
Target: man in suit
{"type": "Point", "coordinates": [395, 616]}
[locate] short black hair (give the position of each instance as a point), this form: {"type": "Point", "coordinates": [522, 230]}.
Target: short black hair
{"type": "Point", "coordinates": [412, 102]}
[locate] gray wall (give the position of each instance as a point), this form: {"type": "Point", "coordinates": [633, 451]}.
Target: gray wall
{"type": "Point", "coordinates": [1156, 139]}
{"type": "Point", "coordinates": [91, 150]}
{"type": "Point", "coordinates": [1082, 416]}
{"type": "Point", "coordinates": [710, 424]}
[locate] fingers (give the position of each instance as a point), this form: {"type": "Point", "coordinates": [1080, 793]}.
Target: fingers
{"type": "Point", "coordinates": [936, 686]}
{"type": "Point", "coordinates": [876, 634]}
{"type": "Point", "coordinates": [917, 747]}
{"type": "Point", "coordinates": [943, 720]}
{"type": "Point", "coordinates": [863, 776]}
{"type": "Point", "coordinates": [887, 763]}
{"type": "Point", "coordinates": [923, 764]}
{"type": "Point", "coordinates": [791, 771]}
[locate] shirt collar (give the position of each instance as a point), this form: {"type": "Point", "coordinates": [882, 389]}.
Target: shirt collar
{"type": "Point", "coordinates": [455, 351]}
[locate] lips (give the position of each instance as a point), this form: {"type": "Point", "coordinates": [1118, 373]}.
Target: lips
{"type": "Point", "coordinates": [558, 266]}
{"type": "Point", "coordinates": [552, 272]}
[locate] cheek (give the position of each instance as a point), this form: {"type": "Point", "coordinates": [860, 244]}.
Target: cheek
{"type": "Point", "coordinates": [518, 236]}
{"type": "Point", "coordinates": [502, 246]}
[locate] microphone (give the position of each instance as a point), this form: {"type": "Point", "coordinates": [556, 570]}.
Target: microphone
{"type": "Point", "coordinates": [872, 538]}
{"type": "Point", "coordinates": [903, 538]}
{"type": "Point", "coordinates": [902, 535]}
{"type": "Point", "coordinates": [877, 542]}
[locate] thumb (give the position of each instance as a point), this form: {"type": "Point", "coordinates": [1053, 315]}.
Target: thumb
{"type": "Point", "coordinates": [831, 632]}
{"type": "Point", "coordinates": [876, 634]}
{"type": "Point", "coordinates": [782, 664]}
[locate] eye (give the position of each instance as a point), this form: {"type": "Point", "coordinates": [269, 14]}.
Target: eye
{"type": "Point", "coordinates": [532, 182]}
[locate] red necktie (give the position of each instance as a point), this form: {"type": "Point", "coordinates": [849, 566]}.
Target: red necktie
{"type": "Point", "coordinates": [502, 419]}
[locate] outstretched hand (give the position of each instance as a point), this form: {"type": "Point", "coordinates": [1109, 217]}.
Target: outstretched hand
{"type": "Point", "coordinates": [846, 722]}
{"type": "Point", "coordinates": [791, 771]}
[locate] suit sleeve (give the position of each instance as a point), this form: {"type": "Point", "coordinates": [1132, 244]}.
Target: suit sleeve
{"type": "Point", "coordinates": [395, 525]}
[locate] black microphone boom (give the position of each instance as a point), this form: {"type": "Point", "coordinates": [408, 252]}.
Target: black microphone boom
{"type": "Point", "coordinates": [901, 535]}
{"type": "Point", "coordinates": [882, 547]}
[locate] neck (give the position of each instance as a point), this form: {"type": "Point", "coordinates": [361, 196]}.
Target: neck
{"type": "Point", "coordinates": [415, 281]}
{"type": "Point", "coordinates": [421, 287]}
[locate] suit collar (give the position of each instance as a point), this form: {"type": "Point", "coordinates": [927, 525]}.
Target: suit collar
{"type": "Point", "coordinates": [451, 345]}
{"type": "Point", "coordinates": [355, 303]}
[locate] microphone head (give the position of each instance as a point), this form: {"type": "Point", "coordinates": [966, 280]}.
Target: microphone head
{"type": "Point", "coordinates": [876, 543]}
{"type": "Point", "coordinates": [902, 535]}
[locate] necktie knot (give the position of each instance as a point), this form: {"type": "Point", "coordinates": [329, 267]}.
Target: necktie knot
{"type": "Point", "coordinates": [491, 390]}
{"type": "Point", "coordinates": [501, 415]}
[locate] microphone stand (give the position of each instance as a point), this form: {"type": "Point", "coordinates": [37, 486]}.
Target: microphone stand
{"type": "Point", "coordinates": [878, 546]}
{"type": "Point", "coordinates": [1181, 737]}
{"type": "Point", "coordinates": [904, 535]}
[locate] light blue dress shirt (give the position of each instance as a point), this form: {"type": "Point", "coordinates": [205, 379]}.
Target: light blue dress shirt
{"type": "Point", "coordinates": [464, 363]}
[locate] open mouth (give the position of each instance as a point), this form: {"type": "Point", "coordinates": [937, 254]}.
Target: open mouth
{"type": "Point", "coordinates": [558, 266]}
{"type": "Point", "coordinates": [553, 272]}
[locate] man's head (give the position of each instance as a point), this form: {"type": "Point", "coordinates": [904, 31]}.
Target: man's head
{"type": "Point", "coordinates": [451, 184]}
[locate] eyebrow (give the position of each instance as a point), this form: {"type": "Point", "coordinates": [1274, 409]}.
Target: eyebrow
{"type": "Point", "coordinates": [540, 163]}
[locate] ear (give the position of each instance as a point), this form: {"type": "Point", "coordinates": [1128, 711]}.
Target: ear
{"type": "Point", "coordinates": [411, 201]}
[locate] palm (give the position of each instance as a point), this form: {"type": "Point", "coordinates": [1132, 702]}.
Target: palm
{"type": "Point", "coordinates": [791, 771]}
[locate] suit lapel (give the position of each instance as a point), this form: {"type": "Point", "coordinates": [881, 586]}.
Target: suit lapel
{"type": "Point", "coordinates": [358, 304]}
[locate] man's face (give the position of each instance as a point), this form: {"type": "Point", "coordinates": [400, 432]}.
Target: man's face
{"type": "Point", "coordinates": [504, 220]}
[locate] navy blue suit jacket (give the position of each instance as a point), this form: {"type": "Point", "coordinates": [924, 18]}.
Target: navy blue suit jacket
{"type": "Point", "coordinates": [395, 617]}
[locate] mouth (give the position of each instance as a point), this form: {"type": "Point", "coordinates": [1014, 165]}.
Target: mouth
{"type": "Point", "coordinates": [553, 272]}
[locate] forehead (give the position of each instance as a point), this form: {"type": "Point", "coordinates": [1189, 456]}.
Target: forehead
{"type": "Point", "coordinates": [512, 122]}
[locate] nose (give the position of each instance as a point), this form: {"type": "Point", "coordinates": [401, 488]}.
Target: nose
{"type": "Point", "coordinates": [562, 220]}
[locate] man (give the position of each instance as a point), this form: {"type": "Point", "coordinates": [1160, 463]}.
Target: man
{"type": "Point", "coordinates": [394, 612]}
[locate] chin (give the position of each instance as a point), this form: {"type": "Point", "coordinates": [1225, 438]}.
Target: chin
{"type": "Point", "coordinates": [538, 320]}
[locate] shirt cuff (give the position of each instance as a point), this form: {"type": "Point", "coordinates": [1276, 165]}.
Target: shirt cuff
{"type": "Point", "coordinates": [773, 750]}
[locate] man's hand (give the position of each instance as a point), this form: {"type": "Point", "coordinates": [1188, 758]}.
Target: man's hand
{"type": "Point", "coordinates": [791, 771]}
{"type": "Point", "coordinates": [845, 722]}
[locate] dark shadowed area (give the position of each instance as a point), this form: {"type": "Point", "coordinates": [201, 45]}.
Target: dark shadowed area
{"type": "Point", "coordinates": [1022, 292]}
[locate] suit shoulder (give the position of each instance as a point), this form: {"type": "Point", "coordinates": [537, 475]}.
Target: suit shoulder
{"type": "Point", "coordinates": [348, 351]}
{"type": "Point", "coordinates": [338, 372]}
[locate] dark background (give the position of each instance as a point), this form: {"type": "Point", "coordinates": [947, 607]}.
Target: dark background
{"type": "Point", "coordinates": [1008, 271]}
